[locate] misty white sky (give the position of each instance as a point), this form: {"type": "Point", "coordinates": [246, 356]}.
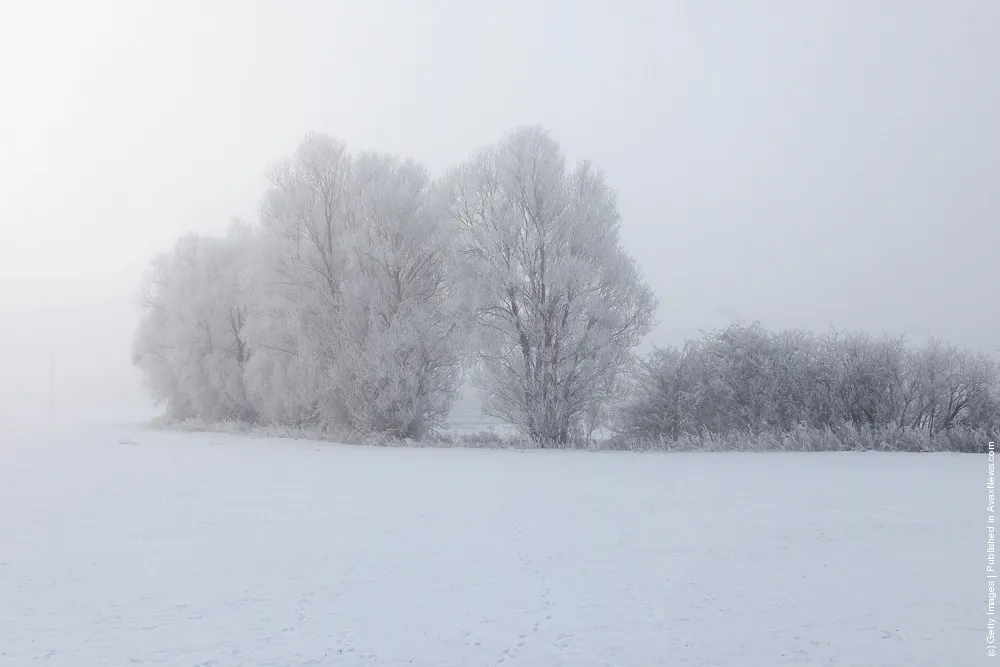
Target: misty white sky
{"type": "Point", "coordinates": [802, 163]}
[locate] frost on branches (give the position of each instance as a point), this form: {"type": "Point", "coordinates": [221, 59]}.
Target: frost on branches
{"type": "Point", "coordinates": [403, 318]}
{"type": "Point", "coordinates": [191, 344]}
{"type": "Point", "coordinates": [560, 304]}
{"type": "Point", "coordinates": [365, 290]}
{"type": "Point", "coordinates": [747, 380]}
{"type": "Point", "coordinates": [354, 321]}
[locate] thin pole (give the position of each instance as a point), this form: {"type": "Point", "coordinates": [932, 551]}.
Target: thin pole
{"type": "Point", "coordinates": [52, 381]}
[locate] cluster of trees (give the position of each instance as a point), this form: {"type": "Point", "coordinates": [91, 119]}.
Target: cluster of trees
{"type": "Point", "coordinates": [749, 380]}
{"type": "Point", "coordinates": [367, 289]}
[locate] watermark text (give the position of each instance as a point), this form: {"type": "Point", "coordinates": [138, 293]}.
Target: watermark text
{"type": "Point", "coordinates": [991, 564]}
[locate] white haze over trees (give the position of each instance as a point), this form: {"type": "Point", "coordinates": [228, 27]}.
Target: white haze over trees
{"type": "Point", "coordinates": [367, 289]}
{"type": "Point", "coordinates": [191, 345]}
{"type": "Point", "coordinates": [771, 165]}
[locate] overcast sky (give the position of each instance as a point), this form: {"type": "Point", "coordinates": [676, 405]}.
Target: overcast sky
{"type": "Point", "coordinates": [805, 164]}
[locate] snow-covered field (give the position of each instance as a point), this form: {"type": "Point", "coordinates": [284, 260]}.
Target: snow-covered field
{"type": "Point", "coordinates": [120, 546]}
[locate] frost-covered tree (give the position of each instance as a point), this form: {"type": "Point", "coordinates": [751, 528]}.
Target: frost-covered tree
{"type": "Point", "coordinates": [191, 345]}
{"type": "Point", "coordinates": [561, 305]}
{"type": "Point", "coordinates": [951, 387]}
{"type": "Point", "coordinates": [361, 325]}
{"type": "Point", "coordinates": [664, 396]}
{"type": "Point", "coordinates": [872, 378]}
{"type": "Point", "coordinates": [299, 273]}
{"type": "Point", "coordinates": [745, 379]}
{"type": "Point", "coordinates": [404, 313]}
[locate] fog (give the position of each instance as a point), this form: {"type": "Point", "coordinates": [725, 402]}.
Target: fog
{"type": "Point", "coordinates": [806, 165]}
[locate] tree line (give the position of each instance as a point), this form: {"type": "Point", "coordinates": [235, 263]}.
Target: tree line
{"type": "Point", "coordinates": [367, 291]}
{"type": "Point", "coordinates": [745, 381]}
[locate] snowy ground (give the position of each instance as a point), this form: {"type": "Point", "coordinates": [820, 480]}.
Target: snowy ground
{"type": "Point", "coordinates": [120, 547]}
